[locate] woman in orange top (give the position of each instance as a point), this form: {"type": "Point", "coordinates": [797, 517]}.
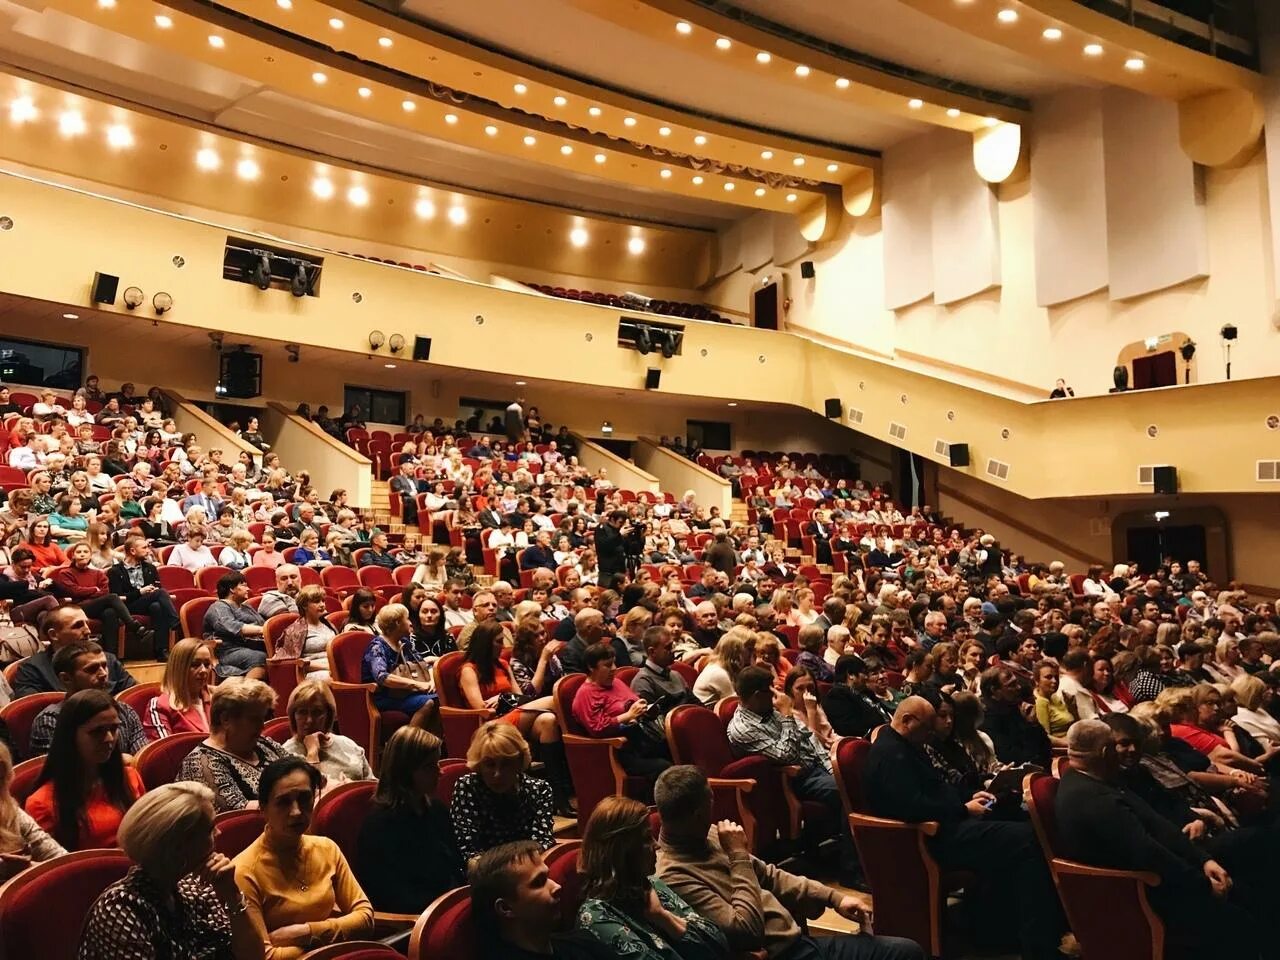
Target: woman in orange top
{"type": "Point", "coordinates": [85, 787]}
{"type": "Point", "coordinates": [48, 555]}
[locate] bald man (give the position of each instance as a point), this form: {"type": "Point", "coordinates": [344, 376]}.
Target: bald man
{"type": "Point", "coordinates": [902, 784]}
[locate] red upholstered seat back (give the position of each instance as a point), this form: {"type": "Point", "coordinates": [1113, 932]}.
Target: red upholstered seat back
{"type": "Point", "coordinates": [346, 654]}
{"type": "Point", "coordinates": [698, 737]}
{"type": "Point", "coordinates": [338, 578]}
{"type": "Point", "coordinates": [340, 812]}
{"type": "Point", "coordinates": [25, 775]}
{"type": "Point", "coordinates": [192, 615]}
{"type": "Point", "coordinates": [139, 696]}
{"type": "Point", "coordinates": [562, 864]}
{"type": "Point", "coordinates": [566, 689]}
{"type": "Point", "coordinates": [1109, 913]}
{"type": "Point", "coordinates": [850, 756]}
{"type": "Point", "coordinates": [159, 762]}
{"type": "Point", "coordinates": [18, 716]}
{"type": "Point", "coordinates": [451, 771]}
{"type": "Point", "coordinates": [236, 830]}
{"type": "Point", "coordinates": [1043, 795]}
{"type": "Point", "coordinates": [42, 911]}
{"type": "Point", "coordinates": [447, 670]}
{"type": "Point", "coordinates": [445, 929]}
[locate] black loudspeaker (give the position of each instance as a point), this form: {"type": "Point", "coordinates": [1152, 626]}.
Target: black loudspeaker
{"type": "Point", "coordinates": [1166, 479]}
{"type": "Point", "coordinates": [422, 348]}
{"type": "Point", "coordinates": [806, 269]}
{"type": "Point", "coordinates": [959, 453]}
{"type": "Point", "coordinates": [652, 377]}
{"type": "Point", "coordinates": [833, 408]}
{"type": "Point", "coordinates": [105, 287]}
{"type": "Point", "coordinates": [1120, 377]}
{"type": "Point", "coordinates": [241, 374]}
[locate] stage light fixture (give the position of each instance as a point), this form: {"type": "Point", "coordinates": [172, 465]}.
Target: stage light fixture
{"type": "Point", "coordinates": [261, 273]}
{"type": "Point", "coordinates": [300, 285]}
{"type": "Point", "coordinates": [644, 343]}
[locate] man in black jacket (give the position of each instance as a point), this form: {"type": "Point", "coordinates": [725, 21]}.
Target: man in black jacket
{"type": "Point", "coordinates": [60, 628]}
{"type": "Point", "coordinates": [1010, 721]}
{"type": "Point", "coordinates": [902, 784]}
{"type": "Point", "coordinates": [611, 554]}
{"type": "Point", "coordinates": [137, 582]}
{"type": "Point", "coordinates": [1102, 824]}
{"type": "Point", "coordinates": [852, 709]}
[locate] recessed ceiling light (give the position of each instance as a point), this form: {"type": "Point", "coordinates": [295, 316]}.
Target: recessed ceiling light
{"type": "Point", "coordinates": [71, 123]}
{"type": "Point", "coordinates": [600, 158]}
{"type": "Point", "coordinates": [723, 43]}
{"type": "Point", "coordinates": [1093, 49]}
{"type": "Point", "coordinates": [697, 181]}
{"type": "Point", "coordinates": [1007, 15]}
{"type": "Point", "coordinates": [336, 23]}
{"type": "Point", "coordinates": [322, 187]}
{"type": "Point", "coordinates": [522, 383]}
{"type": "Point", "coordinates": [791, 198]}
{"type": "Point", "coordinates": [664, 173]}
{"type": "Point", "coordinates": [216, 42]}
{"type": "Point", "coordinates": [22, 109]}
{"type": "Point", "coordinates": [318, 77]}
{"type": "Point", "coordinates": [664, 131]}
{"type": "Point", "coordinates": [1052, 33]}
{"type": "Point", "coordinates": [732, 403]}
{"type": "Point", "coordinates": [628, 121]}
{"type": "Point", "coordinates": [457, 216]}
{"type": "Point", "coordinates": [635, 245]}
{"type": "Point", "coordinates": [579, 237]}
{"type": "Point", "coordinates": [1135, 64]}
{"type": "Point", "coordinates": [207, 159]}
{"type": "Point", "coordinates": [594, 111]}
{"type": "Point", "coordinates": [107, 4]}
{"type": "Point", "coordinates": [491, 130]}
{"type": "Point", "coordinates": [247, 169]}
{"type": "Point", "coordinates": [520, 88]}
{"type": "Point", "coordinates": [358, 196]}
{"type": "Point", "coordinates": [915, 103]}
{"type": "Point", "coordinates": [559, 101]}
{"type": "Point", "coordinates": [163, 21]}
{"type": "Point", "coordinates": [409, 106]}
{"type": "Point", "coordinates": [530, 140]}
{"type": "Point", "coordinates": [389, 366]}
{"type": "Point", "coordinates": [798, 161]}
{"type": "Point", "coordinates": [832, 167]}
{"type": "Point", "coordinates": [424, 208]}
{"type": "Point", "coordinates": [700, 140]}
{"type": "Point", "coordinates": [71, 316]}
{"type": "Point", "coordinates": [284, 4]}
{"type": "Point", "coordinates": [119, 136]}
{"type": "Point", "coordinates": [566, 149]}
{"type": "Point", "coordinates": [989, 121]}
{"type": "Point", "coordinates": [385, 42]}
{"type": "Point", "coordinates": [450, 118]}
{"type": "Point", "coordinates": [763, 57]}
{"type": "Point", "coordinates": [683, 27]}
{"type": "Point", "coordinates": [842, 82]}
{"type": "Point", "coordinates": [729, 186]}
{"type": "Point", "coordinates": [365, 92]}
{"type": "Point", "coordinates": [766, 155]}
{"type": "Point", "coordinates": [953, 112]}
{"type": "Point", "coordinates": [802, 70]}
{"type": "Point", "coordinates": [760, 191]}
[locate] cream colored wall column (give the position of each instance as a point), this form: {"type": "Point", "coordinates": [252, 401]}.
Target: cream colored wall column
{"type": "Point", "coordinates": [210, 434]}
{"type": "Point", "coordinates": [678, 475]}
{"type": "Point", "coordinates": [624, 474]}
{"type": "Point", "coordinates": [332, 465]}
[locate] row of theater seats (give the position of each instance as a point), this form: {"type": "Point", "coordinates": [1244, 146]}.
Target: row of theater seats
{"type": "Point", "coordinates": [665, 308]}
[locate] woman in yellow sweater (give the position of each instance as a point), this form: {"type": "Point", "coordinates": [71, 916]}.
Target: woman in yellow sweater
{"type": "Point", "coordinates": [299, 891]}
{"type": "Point", "coordinates": [1051, 708]}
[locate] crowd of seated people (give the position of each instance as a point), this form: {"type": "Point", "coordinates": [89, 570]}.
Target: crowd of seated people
{"type": "Point", "coordinates": [963, 662]}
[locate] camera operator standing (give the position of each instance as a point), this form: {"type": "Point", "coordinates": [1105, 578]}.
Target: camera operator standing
{"type": "Point", "coordinates": [611, 546]}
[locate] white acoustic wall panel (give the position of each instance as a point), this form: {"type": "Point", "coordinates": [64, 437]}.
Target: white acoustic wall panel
{"type": "Point", "coordinates": [757, 240]}
{"type": "Point", "coordinates": [966, 224]}
{"type": "Point", "coordinates": [1068, 196]}
{"type": "Point", "coordinates": [907, 222]}
{"type": "Point", "coordinates": [1156, 235]}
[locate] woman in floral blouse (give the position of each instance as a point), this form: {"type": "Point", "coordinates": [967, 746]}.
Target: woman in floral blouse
{"type": "Point", "coordinates": [627, 909]}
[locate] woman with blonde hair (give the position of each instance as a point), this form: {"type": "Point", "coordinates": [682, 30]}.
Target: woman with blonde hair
{"type": "Point", "coordinates": [1253, 710]}
{"type": "Point", "coordinates": [22, 840]}
{"type": "Point", "coordinates": [182, 705]}
{"type": "Point", "coordinates": [231, 759]}
{"type": "Point", "coordinates": [406, 855]}
{"type": "Point", "coordinates": [629, 910]}
{"type": "Point", "coordinates": [498, 802]}
{"type": "Point", "coordinates": [803, 613]}
{"type": "Point", "coordinates": [308, 637]}
{"type": "Point", "coordinates": [180, 899]}
{"type": "Point", "coordinates": [311, 712]}
{"type": "Point", "coordinates": [634, 623]}
{"type": "Point", "coordinates": [394, 665]}
{"type": "Point", "coordinates": [733, 652]}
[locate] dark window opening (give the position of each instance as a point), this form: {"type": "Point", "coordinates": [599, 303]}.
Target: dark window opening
{"type": "Point", "coordinates": [376, 406]}
{"type": "Point", "coordinates": [709, 434]}
{"type": "Point", "coordinates": [36, 364]}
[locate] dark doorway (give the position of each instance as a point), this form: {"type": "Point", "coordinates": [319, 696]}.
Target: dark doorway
{"type": "Point", "coordinates": [766, 307]}
{"type": "Point", "coordinates": [621, 447]}
{"type": "Point", "coordinates": [908, 478]}
{"type": "Point", "coordinates": [1157, 370]}
{"type": "Point", "coordinates": [1148, 546]}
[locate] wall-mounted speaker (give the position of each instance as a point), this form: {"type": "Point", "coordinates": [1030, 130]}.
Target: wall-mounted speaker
{"type": "Point", "coordinates": [241, 374]}
{"type": "Point", "coordinates": [422, 348]}
{"type": "Point", "coordinates": [833, 408]}
{"type": "Point", "coordinates": [105, 287]}
{"type": "Point", "coordinates": [652, 377]}
{"type": "Point", "coordinates": [1165, 479]}
{"type": "Point", "coordinates": [806, 269]}
{"type": "Point", "coordinates": [959, 453]}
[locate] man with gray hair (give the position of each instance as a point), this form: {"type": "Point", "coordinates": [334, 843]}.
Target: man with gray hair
{"type": "Point", "coordinates": [588, 624]}
{"type": "Point", "coordinates": [1102, 824]}
{"type": "Point", "coordinates": [711, 867]}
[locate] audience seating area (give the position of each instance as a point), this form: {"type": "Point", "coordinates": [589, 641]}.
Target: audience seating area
{"type": "Point", "coordinates": [664, 308]}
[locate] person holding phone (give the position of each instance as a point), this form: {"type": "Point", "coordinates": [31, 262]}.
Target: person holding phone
{"type": "Point", "coordinates": [607, 707]}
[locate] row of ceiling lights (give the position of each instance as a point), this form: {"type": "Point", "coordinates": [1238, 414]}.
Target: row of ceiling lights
{"type": "Point", "coordinates": [320, 78]}
{"type": "Point", "coordinates": [1008, 15]}
{"type": "Point", "coordinates": [71, 123]}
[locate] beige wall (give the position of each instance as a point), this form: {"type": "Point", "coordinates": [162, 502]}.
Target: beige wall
{"type": "Point", "coordinates": [332, 465]}
{"type": "Point", "coordinates": [679, 474]}
{"type": "Point", "coordinates": [212, 435]}
{"type": "Point", "coordinates": [1004, 333]}
{"type": "Point", "coordinates": [625, 475]}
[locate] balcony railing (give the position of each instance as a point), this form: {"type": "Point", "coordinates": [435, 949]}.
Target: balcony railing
{"type": "Point", "coordinates": [1227, 29]}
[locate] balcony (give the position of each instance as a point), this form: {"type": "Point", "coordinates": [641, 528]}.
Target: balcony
{"type": "Point", "coordinates": [1226, 29]}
